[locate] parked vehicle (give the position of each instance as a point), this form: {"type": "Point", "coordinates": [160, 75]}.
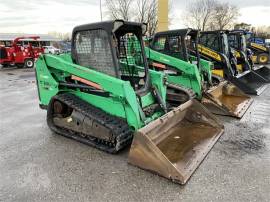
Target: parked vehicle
{"type": "Point", "coordinates": [51, 50]}
{"type": "Point", "coordinates": [261, 53]}
{"type": "Point", "coordinates": [176, 53]}
{"type": "Point", "coordinates": [214, 46]}
{"type": "Point", "coordinates": [244, 55]}
{"type": "Point", "coordinates": [21, 56]}
{"type": "Point", "coordinates": [65, 46]}
{"type": "Point", "coordinates": [102, 96]}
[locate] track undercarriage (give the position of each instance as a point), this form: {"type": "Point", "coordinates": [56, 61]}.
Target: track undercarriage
{"type": "Point", "coordinates": [72, 117]}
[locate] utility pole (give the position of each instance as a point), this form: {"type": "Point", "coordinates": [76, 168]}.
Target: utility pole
{"type": "Point", "coordinates": [100, 8]}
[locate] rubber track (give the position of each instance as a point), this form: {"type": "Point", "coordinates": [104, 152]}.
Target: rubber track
{"type": "Point", "coordinates": [189, 91]}
{"type": "Point", "coordinates": [120, 132]}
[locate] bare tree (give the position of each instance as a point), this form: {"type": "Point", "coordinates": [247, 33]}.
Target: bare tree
{"type": "Point", "coordinates": [259, 31]}
{"type": "Point", "coordinates": [223, 16]}
{"type": "Point", "coordinates": [210, 14]}
{"type": "Point", "coordinates": [144, 11]}
{"type": "Point", "coordinates": [242, 25]}
{"type": "Point", "coordinates": [262, 31]}
{"type": "Point", "coordinates": [120, 9]}
{"type": "Point", "coordinates": [199, 13]}
{"type": "Point", "coordinates": [147, 13]}
{"type": "Point", "coordinates": [152, 18]}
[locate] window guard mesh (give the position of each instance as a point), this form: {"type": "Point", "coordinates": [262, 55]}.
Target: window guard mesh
{"type": "Point", "coordinates": [93, 51]}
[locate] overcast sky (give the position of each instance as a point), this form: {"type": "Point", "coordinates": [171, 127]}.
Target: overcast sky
{"type": "Point", "coordinates": [35, 16]}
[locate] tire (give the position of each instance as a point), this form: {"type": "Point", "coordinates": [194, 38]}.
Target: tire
{"type": "Point", "coordinates": [29, 63]}
{"type": "Point", "coordinates": [5, 65]}
{"type": "Point", "coordinates": [19, 65]}
{"type": "Point", "coordinates": [263, 58]}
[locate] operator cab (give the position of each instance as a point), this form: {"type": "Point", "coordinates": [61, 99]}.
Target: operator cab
{"type": "Point", "coordinates": [237, 40]}
{"type": "Point", "coordinates": [215, 40]}
{"type": "Point", "coordinates": [218, 41]}
{"type": "Point", "coordinates": [114, 48]}
{"type": "Point", "coordinates": [179, 43]}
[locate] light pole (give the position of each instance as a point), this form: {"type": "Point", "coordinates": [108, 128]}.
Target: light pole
{"type": "Point", "coordinates": [100, 8]}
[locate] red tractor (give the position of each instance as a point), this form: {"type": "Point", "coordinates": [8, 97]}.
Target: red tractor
{"type": "Point", "coordinates": [19, 55]}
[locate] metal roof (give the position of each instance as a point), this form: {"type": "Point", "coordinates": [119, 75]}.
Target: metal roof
{"type": "Point", "coordinates": [12, 36]}
{"type": "Point", "coordinates": [179, 32]}
{"type": "Point", "coordinates": [109, 26]}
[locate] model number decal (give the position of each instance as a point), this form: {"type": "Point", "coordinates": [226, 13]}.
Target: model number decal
{"type": "Point", "coordinates": [258, 46]}
{"type": "Point", "coordinates": [209, 52]}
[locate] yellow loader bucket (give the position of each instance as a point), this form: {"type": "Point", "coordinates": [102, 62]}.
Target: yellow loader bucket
{"type": "Point", "coordinates": [227, 99]}
{"type": "Point", "coordinates": [174, 145]}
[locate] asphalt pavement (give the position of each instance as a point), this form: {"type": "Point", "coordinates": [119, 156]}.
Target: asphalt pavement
{"type": "Point", "coordinates": [37, 165]}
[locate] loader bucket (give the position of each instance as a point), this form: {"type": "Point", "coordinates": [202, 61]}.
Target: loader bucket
{"type": "Point", "coordinates": [226, 99]}
{"type": "Point", "coordinates": [250, 83]}
{"type": "Point", "coordinates": [174, 145]}
{"type": "Point", "coordinates": [263, 71]}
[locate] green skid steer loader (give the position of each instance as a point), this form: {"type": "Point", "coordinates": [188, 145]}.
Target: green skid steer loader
{"type": "Point", "coordinates": [102, 96]}
{"type": "Point", "coordinates": [171, 53]}
{"type": "Point", "coordinates": [237, 40]}
{"type": "Point", "coordinates": [214, 46]}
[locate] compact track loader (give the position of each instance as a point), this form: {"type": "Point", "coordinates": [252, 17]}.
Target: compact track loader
{"type": "Point", "coordinates": [261, 53]}
{"type": "Point", "coordinates": [175, 52]}
{"type": "Point", "coordinates": [237, 40]}
{"type": "Point", "coordinates": [214, 46]}
{"type": "Point", "coordinates": [102, 96]}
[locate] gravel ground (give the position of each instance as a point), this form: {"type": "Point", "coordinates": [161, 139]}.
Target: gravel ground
{"type": "Point", "coordinates": [36, 165]}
